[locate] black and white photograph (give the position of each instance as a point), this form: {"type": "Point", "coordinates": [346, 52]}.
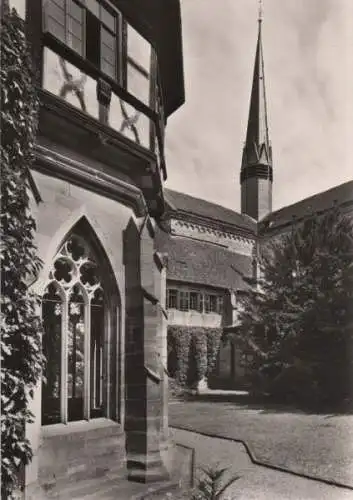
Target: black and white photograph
{"type": "Point", "coordinates": [176, 235]}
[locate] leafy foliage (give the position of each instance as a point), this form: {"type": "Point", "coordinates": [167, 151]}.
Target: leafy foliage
{"type": "Point", "coordinates": [21, 357]}
{"type": "Point", "coordinates": [212, 486]}
{"type": "Point", "coordinates": [298, 318]}
{"type": "Point", "coordinates": [192, 352]}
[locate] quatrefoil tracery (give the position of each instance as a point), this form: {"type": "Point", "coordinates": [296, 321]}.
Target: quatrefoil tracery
{"type": "Point", "coordinates": [75, 271]}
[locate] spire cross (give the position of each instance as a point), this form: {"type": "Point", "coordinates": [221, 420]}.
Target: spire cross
{"type": "Point", "coordinates": [260, 11]}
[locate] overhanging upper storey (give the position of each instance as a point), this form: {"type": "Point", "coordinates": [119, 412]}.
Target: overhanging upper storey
{"type": "Point", "coordinates": [119, 63]}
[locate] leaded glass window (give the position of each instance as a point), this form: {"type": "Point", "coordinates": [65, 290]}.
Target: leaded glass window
{"type": "Point", "coordinates": [73, 310]}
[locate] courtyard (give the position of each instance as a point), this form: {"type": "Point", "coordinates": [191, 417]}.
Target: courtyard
{"type": "Point", "coordinates": [315, 445]}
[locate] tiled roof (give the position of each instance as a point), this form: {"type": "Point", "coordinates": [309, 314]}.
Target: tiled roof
{"type": "Point", "coordinates": [341, 195]}
{"type": "Point", "coordinates": [202, 262]}
{"type": "Point", "coordinates": [184, 203]}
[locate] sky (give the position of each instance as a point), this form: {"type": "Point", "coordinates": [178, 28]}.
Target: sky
{"type": "Point", "coordinates": [308, 55]}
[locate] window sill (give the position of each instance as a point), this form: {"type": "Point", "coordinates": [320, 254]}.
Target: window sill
{"type": "Point", "coordinates": [48, 431]}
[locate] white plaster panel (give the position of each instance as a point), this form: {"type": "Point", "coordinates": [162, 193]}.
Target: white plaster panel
{"type": "Point", "coordinates": [193, 318]}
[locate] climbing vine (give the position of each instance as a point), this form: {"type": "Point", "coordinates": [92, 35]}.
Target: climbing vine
{"type": "Point", "coordinates": [21, 357]}
{"type": "Point", "coordinates": [192, 352]}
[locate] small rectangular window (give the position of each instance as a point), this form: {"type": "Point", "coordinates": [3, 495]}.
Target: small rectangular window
{"type": "Point", "coordinates": [184, 301]}
{"type": "Point", "coordinates": [194, 301]}
{"type": "Point", "coordinates": [172, 299]}
{"type": "Point", "coordinates": [213, 303]}
{"type": "Point", "coordinates": [201, 303]}
{"type": "Point", "coordinates": [207, 303]}
{"type": "Point", "coordinates": [220, 304]}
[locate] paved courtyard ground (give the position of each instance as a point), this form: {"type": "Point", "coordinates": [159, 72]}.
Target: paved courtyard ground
{"type": "Point", "coordinates": [320, 446]}
{"type": "Point", "coordinates": [255, 482]}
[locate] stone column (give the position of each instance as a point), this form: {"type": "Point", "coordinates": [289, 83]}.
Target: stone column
{"type": "Point", "coordinates": [143, 368]}
{"type": "Point", "coordinates": [161, 289]}
{"type": "Point", "coordinates": [33, 434]}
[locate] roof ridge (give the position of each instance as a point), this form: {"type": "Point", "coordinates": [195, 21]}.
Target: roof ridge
{"type": "Point", "coordinates": [308, 198]}
{"type": "Point", "coordinates": [201, 199]}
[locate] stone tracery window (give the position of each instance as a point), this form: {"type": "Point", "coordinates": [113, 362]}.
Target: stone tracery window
{"type": "Point", "coordinates": [73, 310]}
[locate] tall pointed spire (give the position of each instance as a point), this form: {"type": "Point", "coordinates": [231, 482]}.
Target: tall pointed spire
{"type": "Point", "coordinates": [257, 153]}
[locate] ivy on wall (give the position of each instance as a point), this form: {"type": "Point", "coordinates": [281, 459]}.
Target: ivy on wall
{"type": "Point", "coordinates": [192, 352]}
{"type": "Point", "coordinates": [21, 358]}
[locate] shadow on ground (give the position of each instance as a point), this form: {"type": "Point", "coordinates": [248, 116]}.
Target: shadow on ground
{"type": "Point", "coordinates": [267, 404]}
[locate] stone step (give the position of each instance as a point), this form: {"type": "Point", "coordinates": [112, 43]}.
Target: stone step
{"type": "Point", "coordinates": [81, 455]}
{"type": "Point", "coordinates": [79, 488]}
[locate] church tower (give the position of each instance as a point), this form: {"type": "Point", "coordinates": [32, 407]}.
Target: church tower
{"type": "Point", "coordinates": [256, 170]}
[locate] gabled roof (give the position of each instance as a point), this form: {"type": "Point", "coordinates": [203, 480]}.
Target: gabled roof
{"type": "Point", "coordinates": [341, 195]}
{"type": "Point", "coordinates": [200, 262]}
{"type": "Point", "coordinates": [185, 204]}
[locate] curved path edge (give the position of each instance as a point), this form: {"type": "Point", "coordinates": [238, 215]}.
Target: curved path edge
{"type": "Point", "coordinates": [261, 463]}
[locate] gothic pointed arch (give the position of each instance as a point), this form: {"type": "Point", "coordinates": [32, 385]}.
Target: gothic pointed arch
{"type": "Point", "coordinates": [80, 311]}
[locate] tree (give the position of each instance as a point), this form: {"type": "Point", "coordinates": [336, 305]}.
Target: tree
{"type": "Point", "coordinates": [298, 317]}
{"type": "Point", "coordinates": [21, 357]}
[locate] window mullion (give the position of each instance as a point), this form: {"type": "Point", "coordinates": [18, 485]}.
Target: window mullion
{"type": "Point", "coordinates": [105, 371]}
{"type": "Point", "coordinates": [87, 361]}
{"type": "Point", "coordinates": [64, 361]}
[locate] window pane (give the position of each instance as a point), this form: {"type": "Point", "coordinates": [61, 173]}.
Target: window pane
{"type": "Point", "coordinates": [220, 305]}
{"type": "Point", "coordinates": [75, 11]}
{"type": "Point", "coordinates": [108, 19]}
{"type": "Point", "coordinates": [59, 3]}
{"type": "Point", "coordinates": [201, 303]}
{"type": "Point", "coordinates": [93, 29]}
{"type": "Point", "coordinates": [108, 39]}
{"type": "Point", "coordinates": [55, 28]}
{"type": "Point", "coordinates": [51, 342]}
{"type": "Point", "coordinates": [213, 303]}
{"type": "Point", "coordinates": [75, 43]}
{"type": "Point", "coordinates": [207, 304]}
{"type": "Point", "coordinates": [184, 301]}
{"type": "Point", "coordinates": [172, 299]}
{"type": "Point", "coordinates": [75, 28]}
{"type": "Point", "coordinates": [56, 12]}
{"type": "Point", "coordinates": [76, 330]}
{"type": "Point", "coordinates": [93, 6]}
{"type": "Point", "coordinates": [137, 83]}
{"type": "Point", "coordinates": [138, 48]}
{"type": "Point", "coordinates": [97, 339]}
{"type": "Point", "coordinates": [108, 53]}
{"type": "Point", "coordinates": [108, 68]}
{"type": "Point", "coordinates": [194, 301]}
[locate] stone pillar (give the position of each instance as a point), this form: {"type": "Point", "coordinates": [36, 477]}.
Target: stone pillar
{"type": "Point", "coordinates": [33, 434]}
{"type": "Point", "coordinates": [143, 368]}
{"type": "Point", "coordinates": [161, 292]}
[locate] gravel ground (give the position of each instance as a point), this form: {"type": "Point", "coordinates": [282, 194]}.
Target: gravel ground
{"type": "Point", "coordinates": [256, 482]}
{"type": "Point", "coordinates": [320, 446]}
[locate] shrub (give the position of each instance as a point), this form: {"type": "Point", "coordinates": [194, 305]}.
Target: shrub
{"type": "Point", "coordinates": [192, 352]}
{"type": "Point", "coordinates": [211, 486]}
